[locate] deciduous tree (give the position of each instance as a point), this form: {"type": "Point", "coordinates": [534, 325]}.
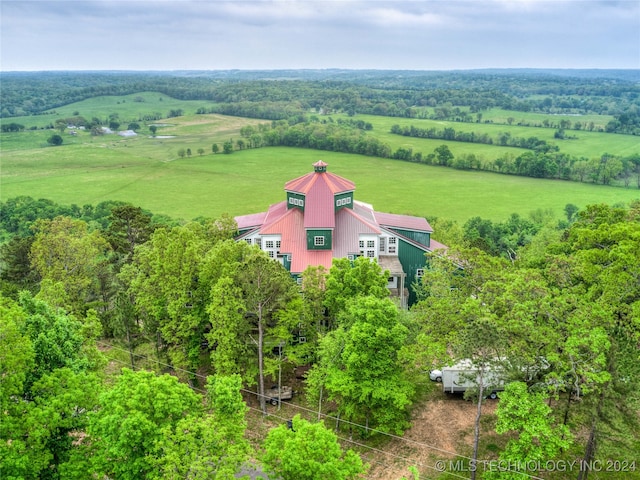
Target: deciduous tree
{"type": "Point", "coordinates": [309, 451]}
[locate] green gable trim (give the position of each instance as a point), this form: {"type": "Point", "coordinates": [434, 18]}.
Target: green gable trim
{"type": "Point", "coordinates": [423, 238]}
{"type": "Point", "coordinates": [343, 200]}
{"type": "Point", "coordinates": [319, 240]}
{"type": "Point", "coordinates": [295, 200]}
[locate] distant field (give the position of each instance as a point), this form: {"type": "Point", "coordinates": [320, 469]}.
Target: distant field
{"type": "Point", "coordinates": [148, 171]}
{"type": "Point", "coordinates": [586, 144]}
{"type": "Point", "coordinates": [251, 180]}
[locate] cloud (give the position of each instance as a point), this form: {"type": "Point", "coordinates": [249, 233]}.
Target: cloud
{"type": "Point", "coordinates": [422, 34]}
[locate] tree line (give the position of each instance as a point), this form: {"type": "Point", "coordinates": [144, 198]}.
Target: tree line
{"type": "Point", "coordinates": [544, 161]}
{"type": "Point", "coordinates": [401, 94]}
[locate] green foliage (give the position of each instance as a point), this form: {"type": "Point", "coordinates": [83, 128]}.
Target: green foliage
{"type": "Point", "coordinates": [55, 140]}
{"type": "Point", "coordinates": [529, 418]}
{"type": "Point", "coordinates": [132, 419]}
{"type": "Point", "coordinates": [349, 279]}
{"type": "Point", "coordinates": [210, 446]}
{"type": "Point", "coordinates": [164, 281]}
{"type": "Point", "coordinates": [360, 366]}
{"type": "Point", "coordinates": [47, 390]}
{"type": "Point", "coordinates": [68, 258]}
{"type": "Point", "coordinates": [309, 451]}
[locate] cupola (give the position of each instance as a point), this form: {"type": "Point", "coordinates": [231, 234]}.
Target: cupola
{"type": "Point", "coordinates": [320, 167]}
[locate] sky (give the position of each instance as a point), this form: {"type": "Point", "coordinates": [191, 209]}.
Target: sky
{"type": "Point", "coordinates": [40, 35]}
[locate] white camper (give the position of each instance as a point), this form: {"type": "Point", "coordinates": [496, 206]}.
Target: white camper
{"type": "Point", "coordinates": [464, 376]}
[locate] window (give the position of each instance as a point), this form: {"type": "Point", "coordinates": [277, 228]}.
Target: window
{"type": "Point", "coordinates": [269, 244]}
{"type": "Point", "coordinates": [318, 241]}
{"type": "Point", "coordinates": [382, 244]}
{"type": "Point", "coordinates": [299, 280]}
{"type": "Point", "coordinates": [339, 202]}
{"type": "Point", "coordinates": [371, 253]}
{"type": "Point", "coordinates": [361, 243]}
{"type": "Point", "coordinates": [392, 244]}
{"type": "Point", "coordinates": [259, 242]}
{"type": "Point", "coordinates": [420, 272]}
{"type": "Point", "coordinates": [347, 200]}
{"type": "Point", "coordinates": [271, 254]}
{"type": "Point", "coordinates": [371, 243]}
{"type": "Point", "coordinates": [292, 200]}
{"type": "Point", "coordinates": [248, 240]}
{"type": "Point", "coordinates": [277, 244]}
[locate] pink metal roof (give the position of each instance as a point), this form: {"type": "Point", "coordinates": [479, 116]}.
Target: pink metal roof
{"type": "Point", "coordinates": [403, 221]}
{"type": "Point", "coordinates": [318, 206]}
{"type": "Point", "coordinates": [294, 242]}
{"type": "Point", "coordinates": [248, 221]}
{"type": "Point", "coordinates": [349, 226]}
{"type": "Point", "coordinates": [437, 245]}
{"type": "Point", "coordinates": [272, 216]}
{"type": "Point", "coordinates": [335, 183]}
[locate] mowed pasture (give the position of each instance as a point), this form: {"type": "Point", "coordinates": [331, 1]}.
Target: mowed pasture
{"type": "Point", "coordinates": [148, 171]}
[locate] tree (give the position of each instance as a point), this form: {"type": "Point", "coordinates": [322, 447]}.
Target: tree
{"type": "Point", "coordinates": [68, 258]}
{"type": "Point", "coordinates": [348, 280]}
{"type": "Point", "coordinates": [129, 226]}
{"type": "Point", "coordinates": [529, 421]}
{"type": "Point", "coordinates": [309, 451]}
{"type": "Point", "coordinates": [443, 155]}
{"type": "Point", "coordinates": [570, 210]}
{"type": "Point", "coordinates": [135, 126]}
{"type": "Point", "coordinates": [181, 152]}
{"type": "Point", "coordinates": [153, 129]}
{"type": "Point", "coordinates": [55, 140]}
{"type": "Point", "coordinates": [215, 148]}
{"type": "Point", "coordinates": [361, 369]}
{"type": "Point", "coordinates": [480, 344]}
{"type": "Point", "coordinates": [267, 288]}
{"type": "Point", "coordinates": [200, 151]}
{"type": "Point", "coordinates": [132, 421]}
{"type": "Point", "coordinates": [207, 446]}
{"type": "Point", "coordinates": [46, 364]}
{"type": "Point", "coordinates": [227, 147]}
{"type": "Point", "coordinates": [164, 279]}
{"type": "Point", "coordinates": [188, 152]}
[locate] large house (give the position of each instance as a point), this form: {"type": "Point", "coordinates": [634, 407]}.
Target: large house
{"type": "Point", "coordinates": [321, 220]}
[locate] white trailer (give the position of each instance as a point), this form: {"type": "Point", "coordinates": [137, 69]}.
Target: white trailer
{"type": "Point", "coordinates": [464, 375]}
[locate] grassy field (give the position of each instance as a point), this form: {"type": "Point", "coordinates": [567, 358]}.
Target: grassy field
{"type": "Point", "coordinates": [249, 181]}
{"type": "Point", "coordinates": [586, 144]}
{"type": "Point", "coordinates": [148, 171]}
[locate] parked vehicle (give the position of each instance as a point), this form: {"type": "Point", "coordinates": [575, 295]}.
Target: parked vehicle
{"type": "Point", "coordinates": [463, 376]}
{"type": "Point", "coordinates": [273, 396]}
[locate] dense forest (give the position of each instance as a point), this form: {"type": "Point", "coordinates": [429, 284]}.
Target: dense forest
{"type": "Point", "coordinates": [386, 93]}
{"type": "Point", "coordinates": [82, 284]}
